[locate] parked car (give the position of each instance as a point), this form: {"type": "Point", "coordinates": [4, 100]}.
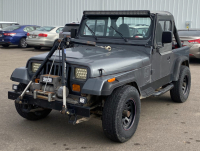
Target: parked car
{"type": "Point", "coordinates": [4, 24]}
{"type": "Point", "coordinates": [15, 35]}
{"type": "Point", "coordinates": [44, 36]}
{"type": "Point", "coordinates": [67, 29]}
{"type": "Point", "coordinates": [191, 38]}
{"type": "Point", "coordinates": [139, 30]}
{"type": "Point", "coordinates": [105, 75]}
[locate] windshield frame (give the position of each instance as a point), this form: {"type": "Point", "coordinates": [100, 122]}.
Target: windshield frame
{"type": "Point", "coordinates": [105, 38]}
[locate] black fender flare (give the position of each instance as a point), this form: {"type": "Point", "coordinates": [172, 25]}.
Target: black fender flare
{"type": "Point", "coordinates": [100, 86]}
{"type": "Point", "coordinates": [108, 87]}
{"type": "Point", "coordinates": [20, 75]}
{"type": "Point", "coordinates": [179, 61]}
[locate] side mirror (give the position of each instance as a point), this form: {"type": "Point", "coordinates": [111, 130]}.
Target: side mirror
{"type": "Point", "coordinates": [166, 37]}
{"type": "Point", "coordinates": [73, 33]}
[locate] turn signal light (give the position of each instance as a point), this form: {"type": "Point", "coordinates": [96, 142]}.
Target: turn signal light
{"type": "Point", "coordinates": [37, 80]}
{"type": "Point", "coordinates": [111, 80]}
{"type": "Point", "coordinates": [42, 35]}
{"type": "Point", "coordinates": [76, 87]}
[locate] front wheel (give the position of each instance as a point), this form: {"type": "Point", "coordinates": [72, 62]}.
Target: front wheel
{"type": "Point", "coordinates": [22, 43]}
{"type": "Point", "coordinates": [121, 114]}
{"type": "Point", "coordinates": [33, 116]}
{"type": "Point", "coordinates": [181, 89]}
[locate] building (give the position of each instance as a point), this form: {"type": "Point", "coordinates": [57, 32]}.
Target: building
{"type": "Point", "coordinates": [59, 12]}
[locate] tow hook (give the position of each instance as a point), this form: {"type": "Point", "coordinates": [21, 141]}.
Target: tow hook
{"type": "Point", "coordinates": [71, 113]}
{"type": "Point", "coordinates": [71, 119]}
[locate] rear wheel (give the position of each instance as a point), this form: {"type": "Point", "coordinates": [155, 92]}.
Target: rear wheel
{"type": "Point", "coordinates": [22, 43]}
{"type": "Point", "coordinates": [121, 114]}
{"type": "Point", "coordinates": [181, 89]}
{"type": "Point", "coordinates": [37, 47]}
{"type": "Point", "coordinates": [31, 115]}
{"type": "Point", "coordinates": [5, 45]}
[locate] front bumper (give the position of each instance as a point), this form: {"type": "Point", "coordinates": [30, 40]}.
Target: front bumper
{"type": "Point", "coordinates": [56, 105]}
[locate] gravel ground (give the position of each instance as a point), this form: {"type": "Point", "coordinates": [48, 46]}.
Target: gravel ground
{"type": "Point", "coordinates": [164, 125]}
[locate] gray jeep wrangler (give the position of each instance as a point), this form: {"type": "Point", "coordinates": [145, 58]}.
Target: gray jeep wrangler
{"type": "Point", "coordinates": [114, 60]}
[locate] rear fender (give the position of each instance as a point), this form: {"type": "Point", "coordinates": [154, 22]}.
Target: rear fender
{"type": "Point", "coordinates": [182, 60]}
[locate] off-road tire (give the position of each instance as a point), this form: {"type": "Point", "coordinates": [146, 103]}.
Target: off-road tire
{"type": "Point", "coordinates": [178, 94]}
{"type": "Point", "coordinates": [37, 47]}
{"type": "Point", "coordinates": [22, 43]}
{"type": "Point", "coordinates": [33, 116]}
{"type": "Point", "coordinates": [5, 45]}
{"type": "Point", "coordinates": [112, 113]}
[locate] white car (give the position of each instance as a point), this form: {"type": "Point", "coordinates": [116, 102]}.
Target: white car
{"type": "Point", "coordinates": [4, 24]}
{"type": "Point", "coordinates": [139, 30]}
{"type": "Point", "coordinates": [45, 36]}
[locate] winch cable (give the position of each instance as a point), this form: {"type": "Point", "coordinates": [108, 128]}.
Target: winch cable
{"type": "Point", "coordinates": [51, 66]}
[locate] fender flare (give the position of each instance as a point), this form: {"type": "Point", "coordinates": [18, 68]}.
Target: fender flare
{"type": "Point", "coordinates": [100, 86]}
{"type": "Point", "coordinates": [177, 66]}
{"type": "Point", "coordinates": [20, 75]}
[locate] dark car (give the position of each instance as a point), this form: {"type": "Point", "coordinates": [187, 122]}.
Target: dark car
{"type": "Point", "coordinates": [106, 75]}
{"type": "Point", "coordinates": [16, 35]}
{"type": "Point", "coordinates": [66, 32]}
{"type": "Point", "coordinates": [191, 38]}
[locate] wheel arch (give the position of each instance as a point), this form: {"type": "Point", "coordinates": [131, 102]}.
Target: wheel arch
{"type": "Point", "coordinates": [183, 60]}
{"type": "Point", "coordinates": [108, 88]}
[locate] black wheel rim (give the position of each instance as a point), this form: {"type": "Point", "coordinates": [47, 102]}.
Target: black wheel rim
{"type": "Point", "coordinates": [128, 114]}
{"type": "Point", "coordinates": [185, 85]}
{"type": "Point", "coordinates": [23, 43]}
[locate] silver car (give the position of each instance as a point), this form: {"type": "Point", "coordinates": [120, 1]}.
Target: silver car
{"type": "Point", "coordinates": [191, 38]}
{"type": "Point", "coordinates": [43, 37]}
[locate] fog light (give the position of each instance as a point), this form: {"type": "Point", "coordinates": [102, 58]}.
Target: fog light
{"type": "Point", "coordinates": [83, 100]}
{"type": "Point", "coordinates": [15, 87]}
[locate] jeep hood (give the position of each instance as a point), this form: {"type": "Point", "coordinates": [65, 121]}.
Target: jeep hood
{"type": "Point", "coordinates": [111, 62]}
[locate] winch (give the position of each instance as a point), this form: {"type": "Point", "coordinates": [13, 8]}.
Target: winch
{"type": "Point", "coordinates": [48, 88]}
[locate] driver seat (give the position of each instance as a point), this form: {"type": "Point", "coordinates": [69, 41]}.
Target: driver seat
{"type": "Point", "coordinates": [124, 30]}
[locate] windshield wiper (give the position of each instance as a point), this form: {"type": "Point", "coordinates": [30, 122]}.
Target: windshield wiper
{"type": "Point", "coordinates": [93, 34]}
{"type": "Point", "coordinates": [126, 40]}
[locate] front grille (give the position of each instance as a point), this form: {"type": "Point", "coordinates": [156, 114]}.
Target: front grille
{"type": "Point", "coordinates": [56, 69]}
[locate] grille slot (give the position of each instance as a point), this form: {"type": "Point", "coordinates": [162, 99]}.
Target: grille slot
{"type": "Point", "coordinates": [56, 69]}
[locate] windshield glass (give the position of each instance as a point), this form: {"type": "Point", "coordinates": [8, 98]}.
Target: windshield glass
{"type": "Point", "coordinates": [45, 28]}
{"type": "Point", "coordinates": [11, 28]}
{"type": "Point", "coordinates": [106, 26]}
